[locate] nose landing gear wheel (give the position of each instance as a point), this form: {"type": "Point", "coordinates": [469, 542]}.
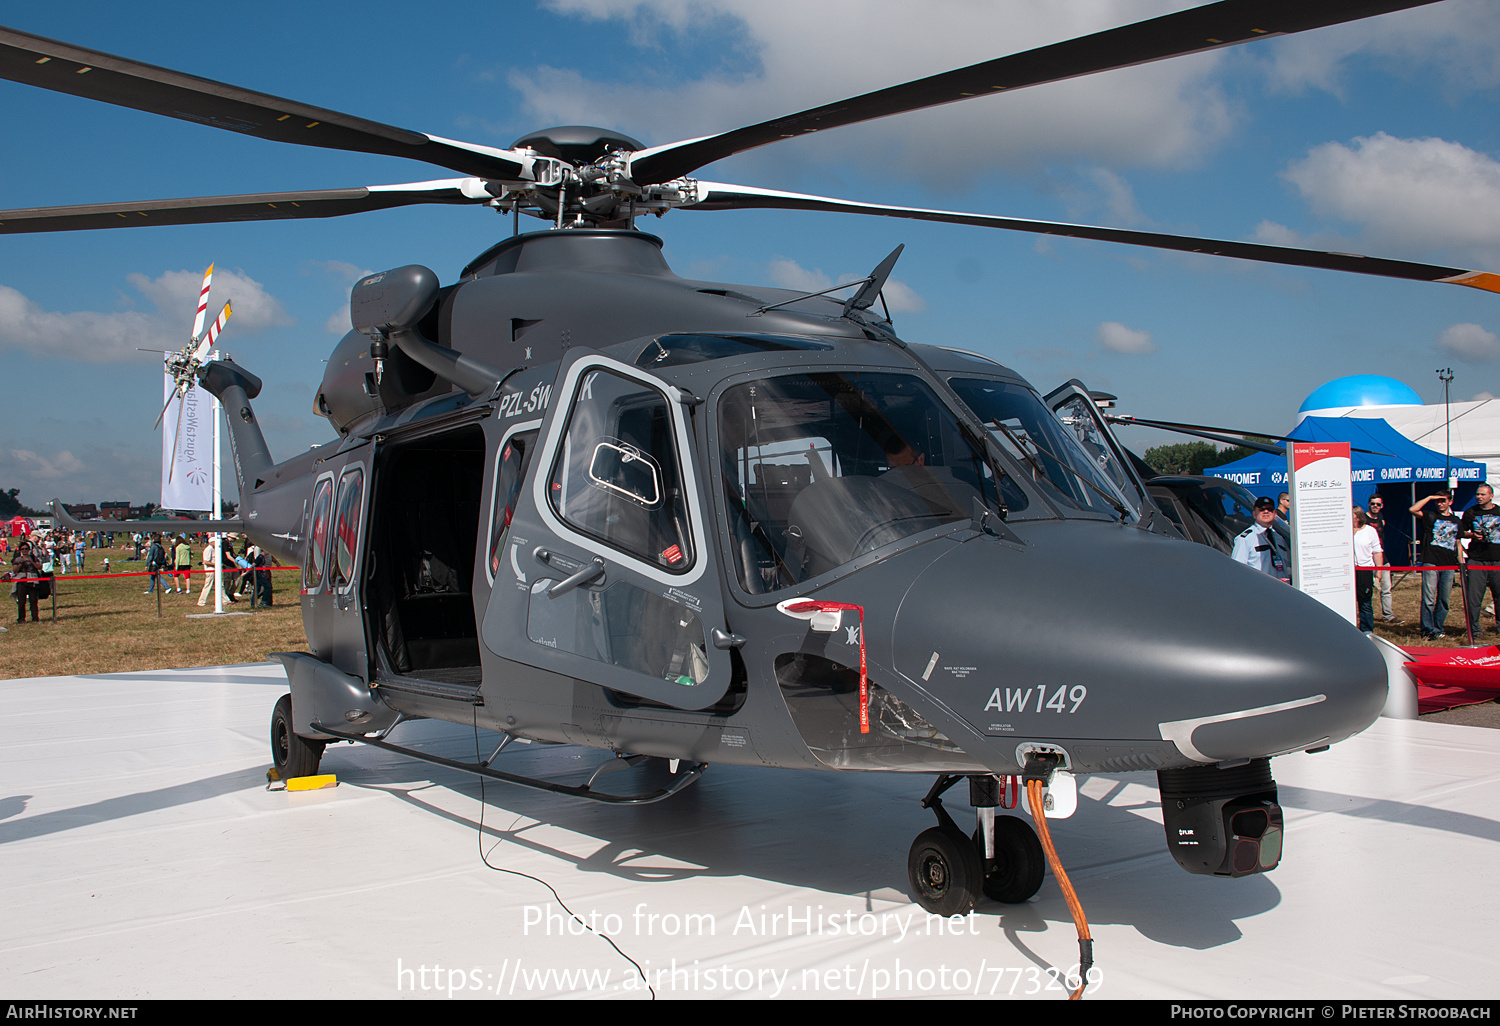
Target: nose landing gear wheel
{"type": "Point", "coordinates": [1015, 873]}
{"type": "Point", "coordinates": [945, 871]}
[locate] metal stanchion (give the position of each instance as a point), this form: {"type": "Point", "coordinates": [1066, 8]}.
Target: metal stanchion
{"type": "Point", "coordinates": [1463, 579]}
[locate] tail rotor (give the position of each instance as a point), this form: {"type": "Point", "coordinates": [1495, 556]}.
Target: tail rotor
{"type": "Point", "coordinates": [186, 362]}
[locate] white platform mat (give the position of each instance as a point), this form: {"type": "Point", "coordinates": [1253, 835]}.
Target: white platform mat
{"type": "Point", "coordinates": [143, 857]}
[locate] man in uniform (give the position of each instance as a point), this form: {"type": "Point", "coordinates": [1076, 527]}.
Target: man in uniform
{"type": "Point", "coordinates": [1481, 525]}
{"type": "Point", "coordinates": [1259, 545]}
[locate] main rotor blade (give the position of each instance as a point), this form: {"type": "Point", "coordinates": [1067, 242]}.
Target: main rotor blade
{"type": "Point", "coordinates": [65, 68]}
{"type": "Point", "coordinates": [1203, 28]}
{"type": "Point", "coordinates": [1222, 435]}
{"type": "Point", "coordinates": [1197, 432]}
{"type": "Point", "coordinates": [266, 206]}
{"type": "Point", "coordinates": [716, 196]}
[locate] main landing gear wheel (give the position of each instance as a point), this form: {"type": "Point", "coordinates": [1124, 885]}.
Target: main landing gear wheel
{"type": "Point", "coordinates": [1015, 873]}
{"type": "Point", "coordinates": [293, 755]}
{"type": "Point", "coordinates": [945, 871]}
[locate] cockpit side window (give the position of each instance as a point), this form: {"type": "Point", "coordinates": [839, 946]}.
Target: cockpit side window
{"type": "Point", "coordinates": [618, 475]}
{"type": "Point", "coordinates": [1029, 432]}
{"type": "Point", "coordinates": [820, 469]}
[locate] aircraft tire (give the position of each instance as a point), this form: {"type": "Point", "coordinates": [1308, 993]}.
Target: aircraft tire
{"type": "Point", "coordinates": [293, 756]}
{"type": "Point", "coordinates": [945, 872]}
{"type": "Point", "coordinates": [1016, 871]}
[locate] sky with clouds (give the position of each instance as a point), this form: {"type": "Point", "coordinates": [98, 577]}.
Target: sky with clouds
{"type": "Point", "coordinates": [1381, 137]}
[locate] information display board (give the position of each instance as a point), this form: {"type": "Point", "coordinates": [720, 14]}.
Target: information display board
{"type": "Point", "coordinates": [1322, 523]}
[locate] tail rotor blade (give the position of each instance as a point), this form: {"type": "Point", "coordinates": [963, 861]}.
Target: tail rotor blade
{"type": "Point", "coordinates": [176, 438]}
{"type": "Point", "coordinates": [208, 277]}
{"type": "Point", "coordinates": [163, 412]}
{"type": "Point", "coordinates": [206, 346]}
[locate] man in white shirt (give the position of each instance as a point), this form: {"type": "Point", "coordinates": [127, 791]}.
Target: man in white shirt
{"type": "Point", "coordinates": [1368, 554]}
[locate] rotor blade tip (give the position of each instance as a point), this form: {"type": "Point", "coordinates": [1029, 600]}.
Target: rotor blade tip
{"type": "Point", "coordinates": [1477, 280]}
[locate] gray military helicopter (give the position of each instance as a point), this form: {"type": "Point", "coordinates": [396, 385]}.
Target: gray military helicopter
{"type": "Point", "coordinates": [576, 498]}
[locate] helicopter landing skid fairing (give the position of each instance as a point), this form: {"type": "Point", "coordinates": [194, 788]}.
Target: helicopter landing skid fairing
{"type": "Point", "coordinates": [684, 775]}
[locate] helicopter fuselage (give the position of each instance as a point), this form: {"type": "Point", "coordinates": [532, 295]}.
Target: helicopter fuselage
{"type": "Point", "coordinates": [685, 526]}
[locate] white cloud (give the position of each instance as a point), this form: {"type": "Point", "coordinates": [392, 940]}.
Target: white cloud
{"type": "Point", "coordinates": [1459, 40]}
{"type": "Point", "coordinates": [1115, 337]}
{"type": "Point", "coordinates": [338, 322]}
{"type": "Point", "coordinates": [788, 274]}
{"type": "Point", "coordinates": [35, 467]}
{"type": "Point", "coordinates": [1160, 115]}
{"type": "Point", "coordinates": [175, 295]}
{"type": "Point", "coordinates": [1413, 195]}
{"type": "Point", "coordinates": [95, 337]}
{"type": "Point", "coordinates": [1469, 342]}
{"type": "Point", "coordinates": [1481, 397]}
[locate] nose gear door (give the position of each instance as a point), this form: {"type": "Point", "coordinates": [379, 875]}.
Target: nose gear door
{"type": "Point", "coordinates": [607, 575]}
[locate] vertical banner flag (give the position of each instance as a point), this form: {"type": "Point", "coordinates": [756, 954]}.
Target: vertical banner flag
{"type": "Point", "coordinates": [187, 428]}
{"type": "Point", "coordinates": [1322, 523]}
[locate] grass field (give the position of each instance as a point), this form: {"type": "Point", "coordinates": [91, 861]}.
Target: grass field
{"type": "Point", "coordinates": [107, 625]}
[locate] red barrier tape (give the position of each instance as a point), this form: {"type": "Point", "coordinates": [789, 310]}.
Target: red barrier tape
{"type": "Point", "coordinates": [145, 573]}
{"type": "Point", "coordinates": [1389, 567]}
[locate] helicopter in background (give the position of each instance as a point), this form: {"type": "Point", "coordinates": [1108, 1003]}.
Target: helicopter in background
{"type": "Point", "coordinates": [576, 498]}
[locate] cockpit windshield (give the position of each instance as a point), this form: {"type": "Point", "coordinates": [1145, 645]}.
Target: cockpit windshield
{"type": "Point", "coordinates": [1029, 432]}
{"type": "Point", "coordinates": [821, 469]}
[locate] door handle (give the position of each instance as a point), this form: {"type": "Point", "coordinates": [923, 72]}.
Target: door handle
{"type": "Point", "coordinates": [587, 575]}
{"type": "Point", "coordinates": [722, 639]}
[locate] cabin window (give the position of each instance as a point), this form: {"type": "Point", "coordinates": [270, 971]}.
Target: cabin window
{"type": "Point", "coordinates": [317, 542]}
{"type": "Point", "coordinates": [618, 473]}
{"type": "Point", "coordinates": [346, 531]}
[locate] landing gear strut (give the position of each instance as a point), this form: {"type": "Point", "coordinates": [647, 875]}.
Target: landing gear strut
{"type": "Point", "coordinates": [948, 869]}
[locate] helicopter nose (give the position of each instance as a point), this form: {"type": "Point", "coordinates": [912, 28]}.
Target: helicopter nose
{"type": "Point", "coordinates": [1107, 635]}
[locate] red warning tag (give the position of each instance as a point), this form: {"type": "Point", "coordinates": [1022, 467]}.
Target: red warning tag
{"type": "Point", "coordinates": [672, 555]}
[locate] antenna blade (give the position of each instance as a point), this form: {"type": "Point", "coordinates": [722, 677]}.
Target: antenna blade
{"type": "Point", "coordinates": [715, 196]}
{"type": "Point", "coordinates": [208, 277]}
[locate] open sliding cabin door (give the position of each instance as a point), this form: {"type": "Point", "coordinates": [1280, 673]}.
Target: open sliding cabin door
{"type": "Point", "coordinates": [604, 572]}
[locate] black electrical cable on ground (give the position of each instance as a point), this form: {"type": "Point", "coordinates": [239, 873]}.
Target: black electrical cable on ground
{"type": "Point", "coordinates": [516, 872]}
